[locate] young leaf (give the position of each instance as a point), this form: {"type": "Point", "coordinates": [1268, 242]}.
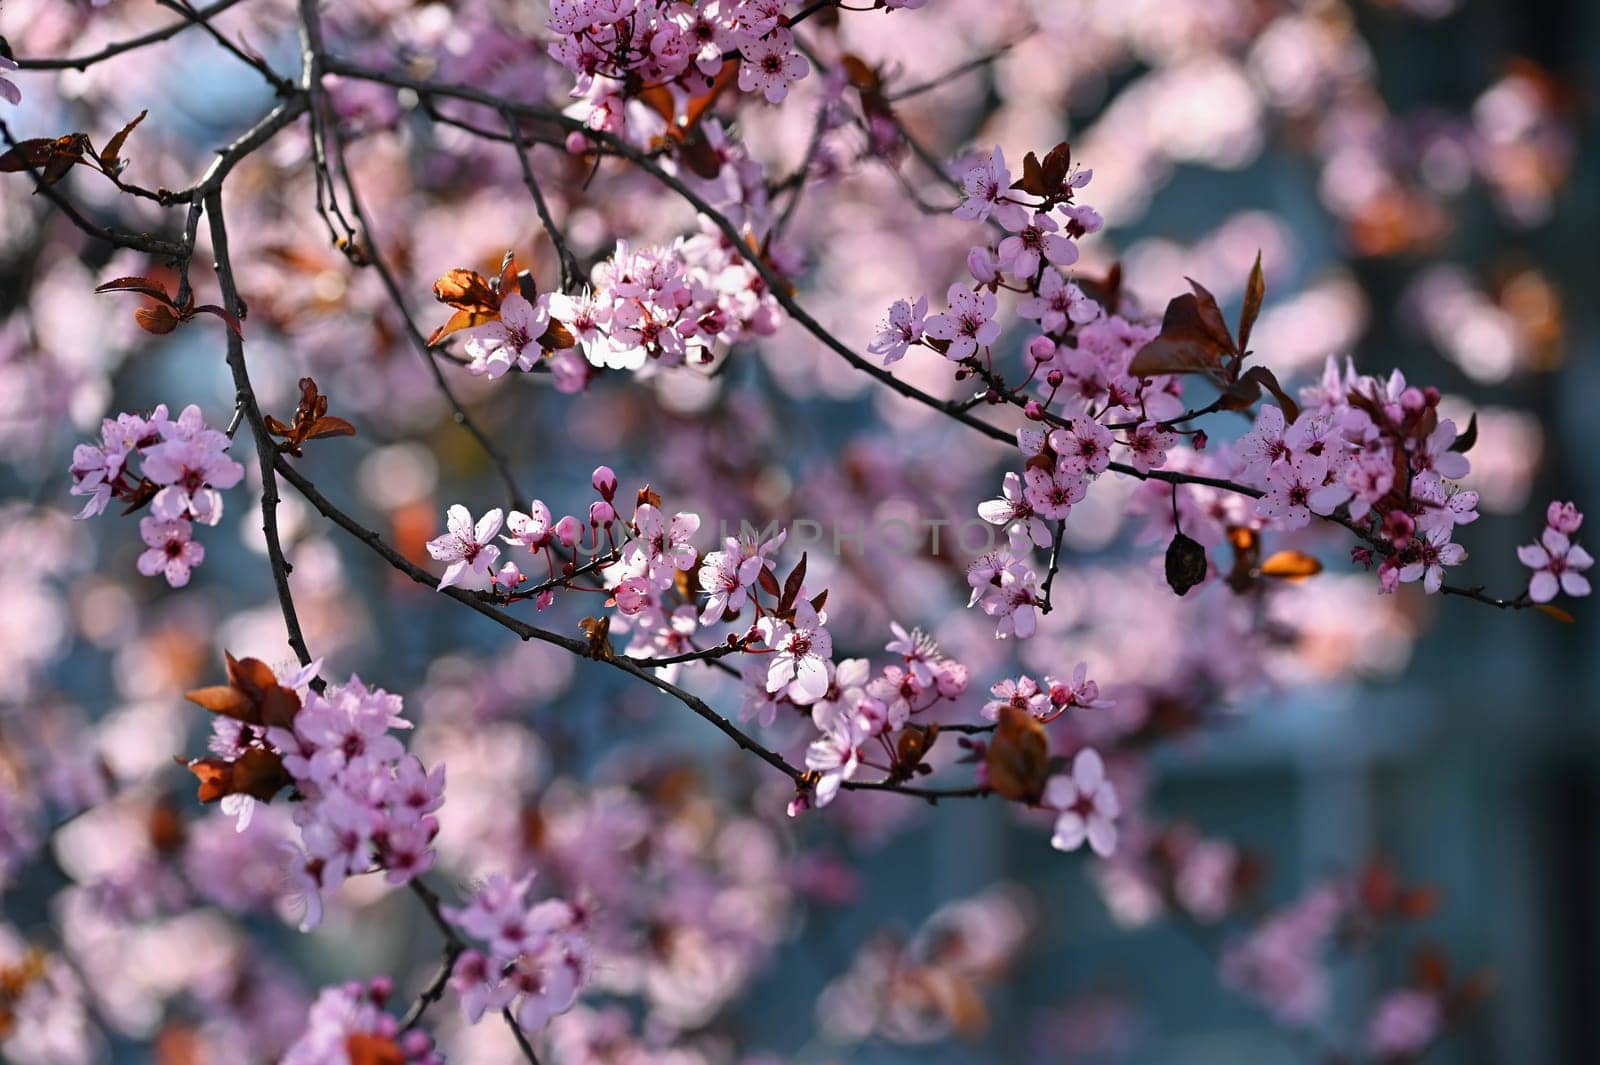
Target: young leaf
{"type": "Point", "coordinates": [110, 154]}
{"type": "Point", "coordinates": [1018, 759]}
{"type": "Point", "coordinates": [1255, 291]}
{"type": "Point", "coordinates": [1291, 565]}
{"type": "Point", "coordinates": [1193, 338]}
{"type": "Point", "coordinates": [1468, 437]}
{"type": "Point", "coordinates": [791, 587]}
{"type": "Point", "coordinates": [144, 286]}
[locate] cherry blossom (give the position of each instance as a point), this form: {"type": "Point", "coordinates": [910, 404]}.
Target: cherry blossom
{"type": "Point", "coordinates": [1036, 240]}
{"type": "Point", "coordinates": [1059, 301]}
{"type": "Point", "coordinates": [512, 340]}
{"type": "Point", "coordinates": [468, 548]}
{"type": "Point", "coordinates": [8, 88]}
{"type": "Point", "coordinates": [1290, 486]}
{"type": "Point", "coordinates": [1427, 556]}
{"type": "Point", "coordinates": [802, 648]}
{"type": "Point", "coordinates": [902, 329]}
{"type": "Point", "coordinates": [172, 551]}
{"type": "Point", "coordinates": [771, 65]}
{"type": "Point", "coordinates": [986, 185]}
{"type": "Point", "coordinates": [1558, 564]}
{"type": "Point", "coordinates": [967, 325]}
{"type": "Point", "coordinates": [1013, 506]}
{"type": "Point", "coordinates": [1087, 805]}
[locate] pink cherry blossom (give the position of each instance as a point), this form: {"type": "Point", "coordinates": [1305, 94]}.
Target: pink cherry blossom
{"type": "Point", "coordinates": [1289, 489]}
{"type": "Point", "coordinates": [1427, 556]}
{"type": "Point", "coordinates": [967, 325]}
{"type": "Point", "coordinates": [469, 549]}
{"type": "Point", "coordinates": [1087, 805]}
{"type": "Point", "coordinates": [8, 88]}
{"type": "Point", "coordinates": [512, 340]}
{"type": "Point", "coordinates": [1014, 507]}
{"type": "Point", "coordinates": [172, 551]}
{"type": "Point", "coordinates": [902, 329]}
{"type": "Point", "coordinates": [1036, 240]}
{"type": "Point", "coordinates": [1558, 566]}
{"type": "Point", "coordinates": [1059, 301]}
{"type": "Point", "coordinates": [771, 65]}
{"type": "Point", "coordinates": [802, 650]}
{"type": "Point", "coordinates": [987, 184]}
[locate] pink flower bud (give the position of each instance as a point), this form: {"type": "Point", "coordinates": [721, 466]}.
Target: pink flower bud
{"type": "Point", "coordinates": [568, 531]}
{"type": "Point", "coordinates": [1041, 349]}
{"type": "Point", "coordinates": [605, 482]}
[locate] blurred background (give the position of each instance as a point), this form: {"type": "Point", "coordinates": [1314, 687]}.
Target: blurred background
{"type": "Point", "coordinates": [1422, 180]}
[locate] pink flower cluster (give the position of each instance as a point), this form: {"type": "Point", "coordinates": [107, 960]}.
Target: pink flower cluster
{"type": "Point", "coordinates": [182, 465]}
{"type": "Point", "coordinates": [366, 805]}
{"type": "Point", "coordinates": [349, 1024]}
{"type": "Point", "coordinates": [1036, 242]}
{"type": "Point", "coordinates": [611, 45]}
{"type": "Point", "coordinates": [1050, 701]}
{"type": "Point", "coordinates": [536, 961]}
{"type": "Point", "coordinates": [1378, 449]}
{"type": "Point", "coordinates": [668, 305]}
{"type": "Point", "coordinates": [1281, 964]}
{"type": "Point", "coordinates": [859, 709]}
{"type": "Point", "coordinates": [1558, 563]}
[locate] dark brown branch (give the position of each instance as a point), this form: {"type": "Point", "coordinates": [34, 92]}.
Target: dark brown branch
{"type": "Point", "coordinates": [266, 447]}
{"type": "Point", "coordinates": [569, 262]}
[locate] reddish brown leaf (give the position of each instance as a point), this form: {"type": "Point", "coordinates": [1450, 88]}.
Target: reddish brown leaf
{"type": "Point", "coordinates": [221, 699]}
{"type": "Point", "coordinates": [1265, 378]}
{"type": "Point", "coordinates": [1255, 291]}
{"type": "Point", "coordinates": [1018, 758]}
{"type": "Point", "coordinates": [467, 290]}
{"type": "Point", "coordinates": [51, 156]}
{"type": "Point", "coordinates": [330, 426]}
{"type": "Point", "coordinates": [1032, 180]}
{"type": "Point", "coordinates": [791, 587]}
{"type": "Point", "coordinates": [462, 320]}
{"type": "Point", "coordinates": [110, 154]}
{"type": "Point", "coordinates": [1291, 565]}
{"type": "Point", "coordinates": [144, 286]}
{"type": "Point", "coordinates": [159, 319]}
{"type": "Point", "coordinates": [365, 1048]}
{"type": "Point", "coordinates": [557, 337]}
{"type": "Point", "coordinates": [1193, 339]}
{"type": "Point", "coordinates": [1554, 612]}
{"type": "Point", "coordinates": [211, 308]}
{"type": "Point", "coordinates": [598, 631]}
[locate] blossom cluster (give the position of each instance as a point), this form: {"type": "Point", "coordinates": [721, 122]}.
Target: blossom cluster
{"type": "Point", "coordinates": [655, 307]}
{"type": "Point", "coordinates": [469, 550]}
{"type": "Point", "coordinates": [348, 1023]}
{"type": "Point", "coordinates": [1378, 450]}
{"type": "Point", "coordinates": [182, 466]}
{"type": "Point", "coordinates": [612, 44]}
{"type": "Point", "coordinates": [861, 710]}
{"type": "Point", "coordinates": [365, 804]}
{"type": "Point", "coordinates": [535, 958]}
{"type": "Point", "coordinates": [1281, 963]}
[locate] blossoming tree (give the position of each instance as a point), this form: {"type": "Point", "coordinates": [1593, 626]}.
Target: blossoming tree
{"type": "Point", "coordinates": [657, 235]}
